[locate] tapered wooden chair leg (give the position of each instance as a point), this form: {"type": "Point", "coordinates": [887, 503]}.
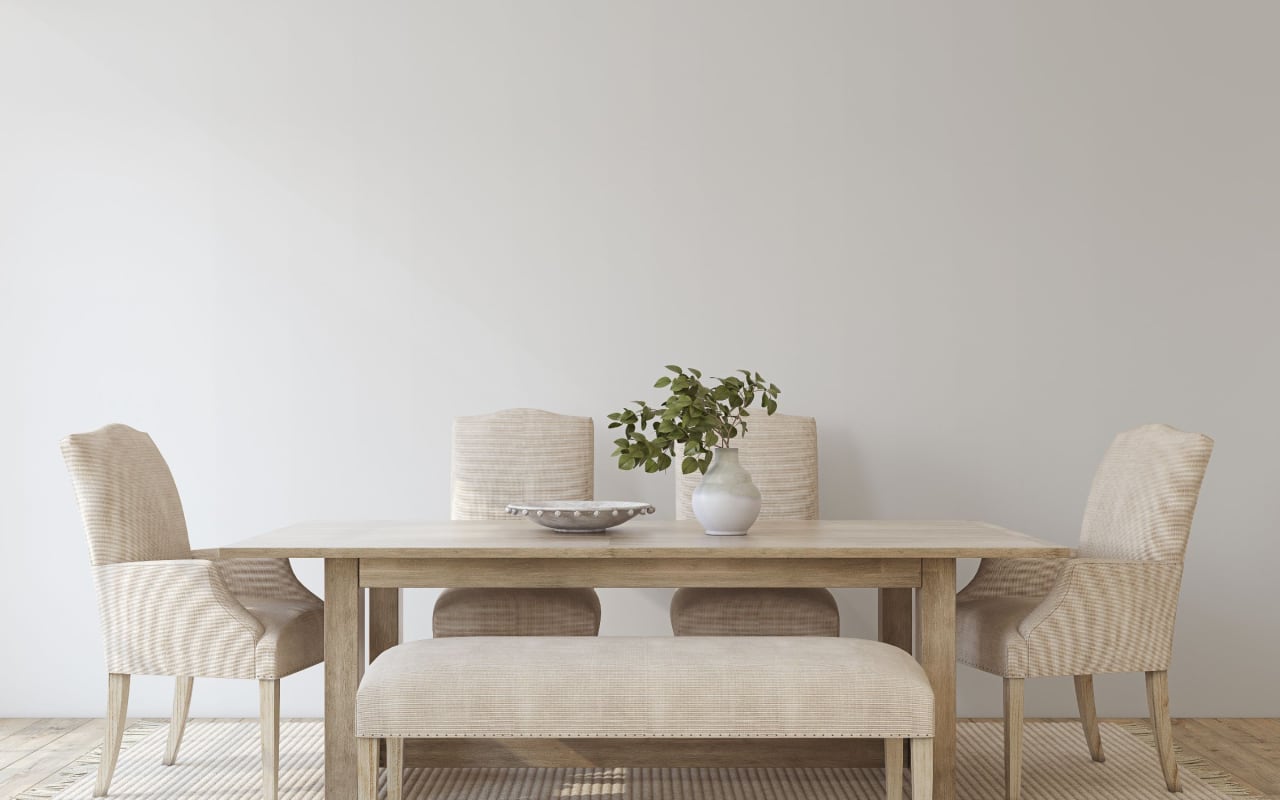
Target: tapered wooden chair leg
{"type": "Point", "coordinates": [366, 769]}
{"type": "Point", "coordinates": [921, 769]}
{"type": "Point", "coordinates": [1089, 716]}
{"type": "Point", "coordinates": [269, 718]}
{"type": "Point", "coordinates": [1162, 727]}
{"type": "Point", "coordinates": [1013, 715]}
{"type": "Point", "coordinates": [181, 707]}
{"type": "Point", "coordinates": [395, 768]}
{"type": "Point", "coordinates": [117, 711]}
{"type": "Point", "coordinates": [892, 769]}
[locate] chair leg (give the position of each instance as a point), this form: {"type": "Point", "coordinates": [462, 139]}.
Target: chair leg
{"type": "Point", "coordinates": [1158, 702]}
{"type": "Point", "coordinates": [366, 769]}
{"type": "Point", "coordinates": [1013, 738]}
{"type": "Point", "coordinates": [269, 718]}
{"type": "Point", "coordinates": [117, 711]}
{"type": "Point", "coordinates": [395, 768]}
{"type": "Point", "coordinates": [892, 769]}
{"type": "Point", "coordinates": [181, 706]}
{"type": "Point", "coordinates": [1089, 716]}
{"type": "Point", "coordinates": [922, 769]}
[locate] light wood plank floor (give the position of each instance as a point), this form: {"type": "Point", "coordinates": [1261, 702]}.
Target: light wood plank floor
{"type": "Point", "coordinates": [32, 750]}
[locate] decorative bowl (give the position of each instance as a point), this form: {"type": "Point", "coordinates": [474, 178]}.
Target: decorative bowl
{"type": "Point", "coordinates": [580, 516]}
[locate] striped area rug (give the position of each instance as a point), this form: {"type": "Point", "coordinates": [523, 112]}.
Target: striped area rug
{"type": "Point", "coordinates": [220, 760]}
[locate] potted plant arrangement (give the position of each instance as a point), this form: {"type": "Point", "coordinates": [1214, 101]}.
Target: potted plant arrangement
{"type": "Point", "coordinates": [697, 423]}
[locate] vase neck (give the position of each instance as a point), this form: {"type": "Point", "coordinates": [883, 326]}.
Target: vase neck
{"type": "Point", "coordinates": [727, 456]}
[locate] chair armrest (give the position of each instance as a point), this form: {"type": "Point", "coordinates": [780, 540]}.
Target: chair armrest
{"type": "Point", "coordinates": [1107, 615]}
{"type": "Point", "coordinates": [174, 617]}
{"type": "Point", "coordinates": [270, 578]}
{"type": "Point", "coordinates": [1012, 577]}
{"type": "Point", "coordinates": [266, 578]}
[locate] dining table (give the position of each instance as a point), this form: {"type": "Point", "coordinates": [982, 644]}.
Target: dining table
{"type": "Point", "coordinates": [900, 558]}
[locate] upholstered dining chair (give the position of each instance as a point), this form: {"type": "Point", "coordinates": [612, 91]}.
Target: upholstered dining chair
{"type": "Point", "coordinates": [515, 455]}
{"type": "Point", "coordinates": [168, 610]}
{"type": "Point", "coordinates": [1110, 609]}
{"type": "Point", "coordinates": [781, 453]}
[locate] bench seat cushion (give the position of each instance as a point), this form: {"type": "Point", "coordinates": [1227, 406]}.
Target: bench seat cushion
{"type": "Point", "coordinates": [645, 687]}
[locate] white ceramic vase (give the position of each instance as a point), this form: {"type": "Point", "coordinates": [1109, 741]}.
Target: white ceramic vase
{"type": "Point", "coordinates": [727, 503]}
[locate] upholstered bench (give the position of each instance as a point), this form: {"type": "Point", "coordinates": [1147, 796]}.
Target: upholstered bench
{"type": "Point", "coordinates": [645, 687]}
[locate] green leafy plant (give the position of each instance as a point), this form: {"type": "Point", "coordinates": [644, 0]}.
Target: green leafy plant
{"type": "Point", "coordinates": [696, 418]}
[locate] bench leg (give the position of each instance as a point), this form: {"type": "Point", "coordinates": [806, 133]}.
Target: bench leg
{"type": "Point", "coordinates": [921, 769]}
{"type": "Point", "coordinates": [366, 769]}
{"type": "Point", "coordinates": [395, 768]}
{"type": "Point", "coordinates": [893, 769]}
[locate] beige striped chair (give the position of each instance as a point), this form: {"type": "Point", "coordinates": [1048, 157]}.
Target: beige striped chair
{"type": "Point", "coordinates": [1111, 609]}
{"type": "Point", "coordinates": [781, 453]}
{"type": "Point", "coordinates": [167, 610]}
{"type": "Point", "coordinates": [511, 456]}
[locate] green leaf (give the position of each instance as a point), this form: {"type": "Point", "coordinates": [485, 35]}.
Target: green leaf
{"type": "Point", "coordinates": [651, 466]}
{"type": "Point", "coordinates": [626, 463]}
{"type": "Point", "coordinates": [690, 464]}
{"type": "Point", "coordinates": [663, 381]}
{"type": "Point", "coordinates": [695, 373]}
{"type": "Point", "coordinates": [674, 369]}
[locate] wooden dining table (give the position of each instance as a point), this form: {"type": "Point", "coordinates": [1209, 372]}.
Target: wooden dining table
{"type": "Point", "coordinates": [895, 557]}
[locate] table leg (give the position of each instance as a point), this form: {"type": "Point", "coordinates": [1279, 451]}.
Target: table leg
{"type": "Point", "coordinates": [895, 617]}
{"type": "Point", "coordinates": [936, 607]}
{"type": "Point", "coordinates": [343, 667]}
{"type": "Point", "coordinates": [385, 621]}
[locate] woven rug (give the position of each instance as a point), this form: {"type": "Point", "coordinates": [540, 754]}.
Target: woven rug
{"type": "Point", "coordinates": [220, 759]}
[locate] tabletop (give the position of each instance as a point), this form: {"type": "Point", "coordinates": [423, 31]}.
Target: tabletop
{"type": "Point", "coordinates": [644, 538]}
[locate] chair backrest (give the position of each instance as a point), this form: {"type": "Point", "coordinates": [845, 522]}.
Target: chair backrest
{"type": "Point", "coordinates": [781, 453]}
{"type": "Point", "coordinates": [519, 455]}
{"type": "Point", "coordinates": [1144, 494]}
{"type": "Point", "coordinates": [127, 496]}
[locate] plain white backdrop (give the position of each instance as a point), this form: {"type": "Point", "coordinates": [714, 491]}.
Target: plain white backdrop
{"type": "Point", "coordinates": [975, 240]}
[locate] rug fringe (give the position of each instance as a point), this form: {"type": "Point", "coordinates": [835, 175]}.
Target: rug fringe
{"type": "Point", "coordinates": [1216, 778]}
{"type": "Point", "coordinates": [76, 771]}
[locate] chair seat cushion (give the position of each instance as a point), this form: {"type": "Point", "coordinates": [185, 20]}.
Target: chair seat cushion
{"type": "Point", "coordinates": [987, 634]}
{"type": "Point", "coordinates": [660, 687]}
{"type": "Point", "coordinates": [754, 612]}
{"type": "Point", "coordinates": [516, 612]}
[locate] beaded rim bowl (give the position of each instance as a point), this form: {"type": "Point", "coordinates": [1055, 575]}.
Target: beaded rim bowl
{"type": "Point", "coordinates": [580, 516]}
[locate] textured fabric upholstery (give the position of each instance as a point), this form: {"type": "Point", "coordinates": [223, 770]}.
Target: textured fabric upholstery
{"type": "Point", "coordinates": [781, 453]}
{"type": "Point", "coordinates": [1112, 609]}
{"type": "Point", "coordinates": [517, 612]}
{"type": "Point", "coordinates": [512, 456]}
{"type": "Point", "coordinates": [519, 455]}
{"type": "Point", "coordinates": [754, 612]}
{"type": "Point", "coordinates": [645, 687]}
{"type": "Point", "coordinates": [128, 501]}
{"type": "Point", "coordinates": [162, 611]}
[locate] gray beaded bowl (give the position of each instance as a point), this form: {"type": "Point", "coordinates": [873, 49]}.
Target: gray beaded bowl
{"type": "Point", "coordinates": [580, 516]}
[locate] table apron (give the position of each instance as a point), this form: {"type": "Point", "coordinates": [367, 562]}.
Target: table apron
{"type": "Point", "coordinates": [550, 573]}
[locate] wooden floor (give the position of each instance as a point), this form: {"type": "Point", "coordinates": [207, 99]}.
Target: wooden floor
{"type": "Point", "coordinates": [32, 750]}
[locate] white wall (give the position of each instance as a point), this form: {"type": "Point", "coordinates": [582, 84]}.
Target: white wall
{"type": "Point", "coordinates": [292, 240]}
